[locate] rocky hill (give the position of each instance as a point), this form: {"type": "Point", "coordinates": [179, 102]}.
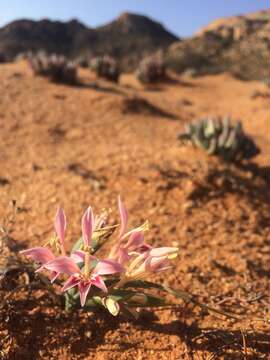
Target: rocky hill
{"type": "Point", "coordinates": [240, 45]}
{"type": "Point", "coordinates": [127, 38]}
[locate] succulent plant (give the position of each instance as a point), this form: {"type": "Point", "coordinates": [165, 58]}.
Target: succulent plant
{"type": "Point", "coordinates": [56, 67]}
{"type": "Point", "coordinates": [151, 70]}
{"type": "Point", "coordinates": [25, 55]}
{"type": "Point", "coordinates": [82, 61]}
{"type": "Point", "coordinates": [105, 67]}
{"type": "Point", "coordinates": [220, 137]}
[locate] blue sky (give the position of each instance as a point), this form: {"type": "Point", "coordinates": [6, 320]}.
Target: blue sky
{"type": "Point", "coordinates": [183, 17]}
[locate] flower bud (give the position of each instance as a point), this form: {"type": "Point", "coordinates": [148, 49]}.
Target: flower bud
{"type": "Point", "coordinates": [111, 305]}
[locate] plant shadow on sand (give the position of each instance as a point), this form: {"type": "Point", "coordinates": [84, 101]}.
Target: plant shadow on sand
{"type": "Point", "coordinates": [139, 106]}
{"type": "Point", "coordinates": [95, 86]}
{"type": "Point", "coordinates": [250, 182]}
{"type": "Point", "coordinates": [37, 331]}
{"type": "Point", "coordinates": [243, 193]}
{"type": "Point", "coordinates": [217, 342]}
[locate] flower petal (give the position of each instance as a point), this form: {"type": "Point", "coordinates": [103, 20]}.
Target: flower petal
{"type": "Point", "coordinates": [123, 256]}
{"type": "Point", "coordinates": [144, 248]}
{"type": "Point", "coordinates": [60, 224]}
{"type": "Point", "coordinates": [155, 264]}
{"type": "Point", "coordinates": [98, 282]}
{"type": "Point", "coordinates": [123, 217]}
{"type": "Point", "coordinates": [107, 267]}
{"type": "Point", "coordinates": [84, 287]}
{"type": "Point", "coordinates": [71, 282]}
{"type": "Point", "coordinates": [39, 254]}
{"type": "Point", "coordinates": [63, 264]}
{"type": "Point", "coordinates": [88, 223]}
{"type": "Point", "coordinates": [79, 256]}
{"type": "Point", "coordinates": [135, 240]}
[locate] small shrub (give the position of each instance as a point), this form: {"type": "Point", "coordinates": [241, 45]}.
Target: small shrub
{"type": "Point", "coordinates": [219, 137]}
{"type": "Point", "coordinates": [151, 70]}
{"type": "Point", "coordinates": [105, 67]}
{"type": "Point", "coordinates": [56, 67]}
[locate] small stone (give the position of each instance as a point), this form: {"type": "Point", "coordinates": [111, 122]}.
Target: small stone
{"type": "Point", "coordinates": [188, 205]}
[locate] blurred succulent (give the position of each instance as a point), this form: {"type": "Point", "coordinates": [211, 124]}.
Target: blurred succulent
{"type": "Point", "coordinates": [220, 137]}
{"type": "Point", "coordinates": [266, 81]}
{"type": "Point", "coordinates": [56, 67]}
{"type": "Point", "coordinates": [26, 55]}
{"type": "Point", "coordinates": [106, 67]}
{"type": "Point", "coordinates": [151, 70]}
{"type": "Point", "coordinates": [82, 61]}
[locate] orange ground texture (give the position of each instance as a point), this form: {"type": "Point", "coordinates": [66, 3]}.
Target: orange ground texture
{"type": "Point", "coordinates": [85, 144]}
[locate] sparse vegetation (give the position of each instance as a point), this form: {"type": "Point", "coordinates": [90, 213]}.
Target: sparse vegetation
{"type": "Point", "coordinates": [71, 145]}
{"type": "Point", "coordinates": [220, 137]}
{"type": "Point", "coordinates": [151, 70]}
{"type": "Point", "coordinates": [106, 67]}
{"type": "Point", "coordinates": [55, 67]}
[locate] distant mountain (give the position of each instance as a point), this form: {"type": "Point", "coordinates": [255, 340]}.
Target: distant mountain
{"type": "Point", "coordinates": [240, 45]}
{"type": "Point", "coordinates": [128, 38]}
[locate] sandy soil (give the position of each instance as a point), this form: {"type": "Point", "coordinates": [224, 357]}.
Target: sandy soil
{"type": "Point", "coordinates": [83, 145]}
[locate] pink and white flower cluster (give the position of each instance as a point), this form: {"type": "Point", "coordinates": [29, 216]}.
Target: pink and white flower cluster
{"type": "Point", "coordinates": [130, 258]}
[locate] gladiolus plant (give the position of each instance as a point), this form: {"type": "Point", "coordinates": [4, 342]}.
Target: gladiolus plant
{"type": "Point", "coordinates": [117, 282]}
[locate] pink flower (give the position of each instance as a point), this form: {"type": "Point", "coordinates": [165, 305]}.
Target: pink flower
{"type": "Point", "coordinates": [67, 265]}
{"type": "Point", "coordinates": [93, 269]}
{"type": "Point", "coordinates": [135, 238]}
{"type": "Point", "coordinates": [43, 255]}
{"type": "Point", "coordinates": [153, 260]}
{"type": "Point", "coordinates": [123, 217]}
{"type": "Point", "coordinates": [88, 223]}
{"type": "Point", "coordinates": [134, 245]}
{"type": "Point", "coordinates": [60, 225]}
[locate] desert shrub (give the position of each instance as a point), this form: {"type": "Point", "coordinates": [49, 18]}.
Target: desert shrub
{"type": "Point", "coordinates": [55, 67]}
{"type": "Point", "coordinates": [105, 67]}
{"type": "Point", "coordinates": [151, 70]}
{"type": "Point", "coordinates": [220, 137]}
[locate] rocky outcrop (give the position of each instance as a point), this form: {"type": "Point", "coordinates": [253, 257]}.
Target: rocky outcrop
{"type": "Point", "coordinates": [240, 45]}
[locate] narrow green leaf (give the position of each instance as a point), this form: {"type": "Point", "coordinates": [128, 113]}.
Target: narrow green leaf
{"type": "Point", "coordinates": [180, 294]}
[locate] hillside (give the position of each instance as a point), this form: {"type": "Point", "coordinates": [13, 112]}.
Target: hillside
{"type": "Point", "coordinates": [127, 38]}
{"type": "Point", "coordinates": [240, 45]}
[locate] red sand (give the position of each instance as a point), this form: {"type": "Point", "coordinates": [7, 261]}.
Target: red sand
{"type": "Point", "coordinates": [84, 145]}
